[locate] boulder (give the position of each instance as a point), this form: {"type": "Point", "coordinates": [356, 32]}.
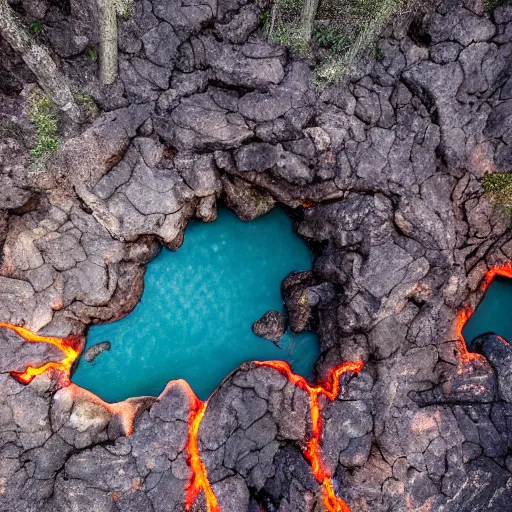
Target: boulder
{"type": "Point", "coordinates": [499, 354]}
{"type": "Point", "coordinates": [294, 289]}
{"type": "Point", "coordinates": [246, 201]}
{"type": "Point", "coordinates": [93, 352]}
{"type": "Point", "coordinates": [271, 326]}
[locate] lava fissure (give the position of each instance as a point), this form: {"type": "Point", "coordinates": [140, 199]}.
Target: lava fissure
{"type": "Point", "coordinates": [70, 347]}
{"type": "Point", "coordinates": [199, 479]}
{"type": "Point", "coordinates": [329, 389]}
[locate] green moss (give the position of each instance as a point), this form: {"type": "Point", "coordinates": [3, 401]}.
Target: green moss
{"type": "Point", "coordinates": [303, 301]}
{"type": "Point", "coordinates": [379, 56]}
{"type": "Point", "coordinates": [265, 18]}
{"type": "Point", "coordinates": [290, 34]}
{"type": "Point", "coordinates": [365, 9]}
{"type": "Point", "coordinates": [91, 53]}
{"type": "Point", "coordinates": [87, 104]}
{"type": "Point", "coordinates": [497, 182]}
{"type": "Point", "coordinates": [124, 9]}
{"type": "Point", "coordinates": [492, 4]}
{"type": "Point", "coordinates": [331, 38]}
{"type": "Point", "coordinates": [343, 30]}
{"type": "Point", "coordinates": [43, 113]}
{"type": "Point", "coordinates": [498, 188]}
{"type": "Point", "coordinates": [35, 26]}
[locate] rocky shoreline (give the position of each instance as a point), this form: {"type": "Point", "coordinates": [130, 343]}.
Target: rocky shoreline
{"type": "Point", "coordinates": [385, 171]}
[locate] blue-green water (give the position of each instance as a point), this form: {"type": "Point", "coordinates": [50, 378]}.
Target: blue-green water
{"type": "Point", "coordinates": [494, 313]}
{"type": "Point", "coordinates": [196, 313]}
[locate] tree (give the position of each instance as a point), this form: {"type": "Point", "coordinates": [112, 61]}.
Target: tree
{"type": "Point", "coordinates": [108, 12]}
{"type": "Point", "coordinates": [309, 10]}
{"type": "Point", "coordinates": [39, 60]}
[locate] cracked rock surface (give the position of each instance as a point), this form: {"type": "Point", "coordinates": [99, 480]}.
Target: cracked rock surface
{"type": "Point", "coordinates": [385, 173]}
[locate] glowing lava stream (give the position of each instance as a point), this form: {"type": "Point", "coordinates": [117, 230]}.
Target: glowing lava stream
{"type": "Point", "coordinates": [199, 478]}
{"type": "Point", "coordinates": [70, 346]}
{"type": "Point", "coordinates": [465, 314]}
{"type": "Point", "coordinates": [330, 389]}
{"type": "Point", "coordinates": [198, 481]}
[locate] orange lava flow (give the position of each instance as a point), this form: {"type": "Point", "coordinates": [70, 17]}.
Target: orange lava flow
{"type": "Point", "coordinates": [465, 314]}
{"type": "Point", "coordinates": [70, 347]}
{"type": "Point", "coordinates": [460, 321]}
{"type": "Point", "coordinates": [199, 479]}
{"type": "Point", "coordinates": [503, 271]}
{"type": "Point", "coordinates": [329, 389]}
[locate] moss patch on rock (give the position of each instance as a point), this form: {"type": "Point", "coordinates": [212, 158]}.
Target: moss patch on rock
{"type": "Point", "coordinates": [498, 188]}
{"type": "Point", "coordinates": [43, 113]}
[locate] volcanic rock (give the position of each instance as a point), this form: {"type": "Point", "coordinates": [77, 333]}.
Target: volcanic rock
{"type": "Point", "coordinates": [93, 352]}
{"type": "Point", "coordinates": [271, 326]}
{"type": "Point", "coordinates": [385, 172]}
{"type": "Point", "coordinates": [499, 354]}
{"type": "Point", "coordinates": [294, 289]}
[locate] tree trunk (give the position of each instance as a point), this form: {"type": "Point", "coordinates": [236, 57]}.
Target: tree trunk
{"type": "Point", "coordinates": [309, 9]}
{"type": "Point", "coordinates": [39, 60]}
{"type": "Point", "coordinates": [108, 40]}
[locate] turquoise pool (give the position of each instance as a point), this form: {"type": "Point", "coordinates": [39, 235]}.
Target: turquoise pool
{"type": "Point", "coordinates": [196, 313]}
{"type": "Point", "coordinates": [494, 313]}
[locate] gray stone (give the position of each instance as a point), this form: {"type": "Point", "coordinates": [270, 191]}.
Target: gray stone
{"type": "Point", "coordinates": [270, 326]}
{"type": "Point", "coordinates": [499, 354]}
{"type": "Point", "coordinates": [246, 201]}
{"type": "Point", "coordinates": [294, 289]}
{"type": "Point", "coordinates": [161, 45]}
{"type": "Point", "coordinates": [238, 29]}
{"type": "Point", "coordinates": [231, 67]}
{"type": "Point", "coordinates": [199, 123]}
{"type": "Point", "coordinates": [461, 25]}
{"type": "Point", "coordinates": [257, 156]}
{"type": "Point", "coordinates": [368, 108]}
{"type": "Point", "coordinates": [384, 269]}
{"type": "Point", "coordinates": [95, 350]}
{"type": "Point", "coordinates": [503, 14]}
{"type": "Point", "coordinates": [263, 107]}
{"type": "Point", "coordinates": [443, 53]}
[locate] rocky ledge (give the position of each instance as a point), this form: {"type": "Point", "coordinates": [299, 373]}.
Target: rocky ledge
{"type": "Point", "coordinates": [385, 171]}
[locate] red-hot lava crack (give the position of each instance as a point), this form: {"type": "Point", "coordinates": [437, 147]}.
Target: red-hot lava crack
{"type": "Point", "coordinates": [330, 389]}
{"type": "Point", "coordinates": [465, 314]}
{"type": "Point", "coordinates": [198, 481]}
{"type": "Point", "coordinates": [70, 347]}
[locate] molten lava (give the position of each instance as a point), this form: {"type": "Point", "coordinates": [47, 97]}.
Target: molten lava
{"type": "Point", "coordinates": [330, 389]}
{"type": "Point", "coordinates": [199, 479]}
{"type": "Point", "coordinates": [502, 271]}
{"type": "Point", "coordinates": [465, 314]}
{"type": "Point", "coordinates": [460, 321]}
{"type": "Point", "coordinates": [70, 346]}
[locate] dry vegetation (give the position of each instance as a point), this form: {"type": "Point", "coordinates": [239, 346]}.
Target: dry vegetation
{"type": "Point", "coordinates": [343, 30]}
{"type": "Point", "coordinates": [498, 188]}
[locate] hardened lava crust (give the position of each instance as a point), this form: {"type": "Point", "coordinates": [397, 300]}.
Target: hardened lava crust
{"type": "Point", "coordinates": [383, 177]}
